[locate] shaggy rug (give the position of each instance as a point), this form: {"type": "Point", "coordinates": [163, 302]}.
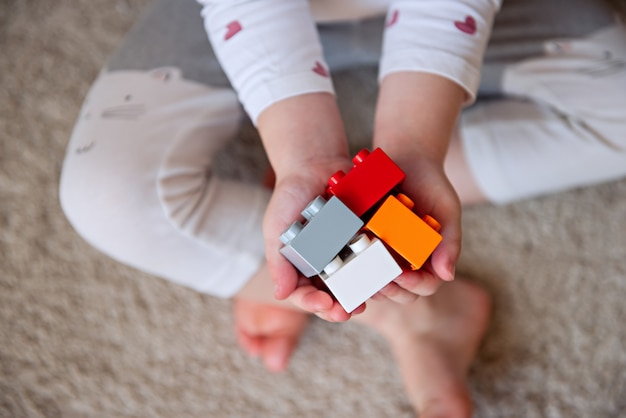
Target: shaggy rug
{"type": "Point", "coordinates": [83, 336]}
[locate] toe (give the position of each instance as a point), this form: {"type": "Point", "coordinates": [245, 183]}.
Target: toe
{"type": "Point", "coordinates": [277, 352]}
{"type": "Point", "coordinates": [457, 405]}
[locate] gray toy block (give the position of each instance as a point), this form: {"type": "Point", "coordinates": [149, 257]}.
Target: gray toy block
{"type": "Point", "coordinates": [310, 247]}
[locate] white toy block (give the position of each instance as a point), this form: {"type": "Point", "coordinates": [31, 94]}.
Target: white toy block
{"type": "Point", "coordinates": [369, 268]}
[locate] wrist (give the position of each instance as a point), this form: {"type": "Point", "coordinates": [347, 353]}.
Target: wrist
{"type": "Point", "coordinates": [401, 146]}
{"type": "Point", "coordinates": [303, 131]}
{"type": "Point", "coordinates": [416, 114]}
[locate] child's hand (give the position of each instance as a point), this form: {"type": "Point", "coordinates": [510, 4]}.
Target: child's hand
{"type": "Point", "coordinates": [415, 117]}
{"type": "Point", "coordinates": [292, 194]}
{"type": "Point", "coordinates": [427, 185]}
{"type": "Point", "coordinates": [306, 145]}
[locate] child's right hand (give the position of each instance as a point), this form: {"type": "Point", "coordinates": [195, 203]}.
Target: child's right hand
{"type": "Point", "coordinates": [306, 145]}
{"type": "Point", "coordinates": [292, 193]}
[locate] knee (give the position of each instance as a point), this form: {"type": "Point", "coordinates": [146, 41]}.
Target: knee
{"type": "Point", "coordinates": [90, 196]}
{"type": "Point", "coordinates": [129, 121]}
{"type": "Point", "coordinates": [105, 170]}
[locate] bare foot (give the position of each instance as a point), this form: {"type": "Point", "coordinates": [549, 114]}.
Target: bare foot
{"type": "Point", "coordinates": [268, 331]}
{"type": "Point", "coordinates": [434, 341]}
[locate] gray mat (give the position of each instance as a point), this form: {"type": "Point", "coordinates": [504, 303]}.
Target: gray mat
{"type": "Point", "coordinates": [82, 336]}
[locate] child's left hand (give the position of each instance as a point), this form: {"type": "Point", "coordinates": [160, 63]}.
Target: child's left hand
{"type": "Point", "coordinates": [427, 185]}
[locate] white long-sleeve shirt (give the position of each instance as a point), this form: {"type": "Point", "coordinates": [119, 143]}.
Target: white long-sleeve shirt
{"type": "Point", "coordinates": [270, 49]}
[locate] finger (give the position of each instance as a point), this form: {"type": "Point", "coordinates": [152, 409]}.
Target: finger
{"type": "Point", "coordinates": [284, 275]}
{"type": "Point", "coordinates": [397, 294]}
{"type": "Point", "coordinates": [284, 207]}
{"type": "Point", "coordinates": [359, 310]}
{"type": "Point", "coordinates": [378, 297]}
{"type": "Point", "coordinates": [446, 209]}
{"type": "Point", "coordinates": [443, 260]}
{"type": "Point", "coordinates": [276, 352]}
{"type": "Point", "coordinates": [310, 299]}
{"type": "Point", "coordinates": [446, 255]}
{"type": "Point", "coordinates": [335, 314]}
{"type": "Point", "coordinates": [251, 345]}
{"type": "Point", "coordinates": [421, 282]}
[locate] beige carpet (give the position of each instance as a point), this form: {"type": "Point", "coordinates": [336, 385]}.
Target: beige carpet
{"type": "Point", "coordinates": [82, 336]}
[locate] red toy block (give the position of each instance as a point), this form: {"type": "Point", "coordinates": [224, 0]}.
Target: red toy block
{"type": "Point", "coordinates": [413, 238]}
{"type": "Point", "coordinates": [373, 176]}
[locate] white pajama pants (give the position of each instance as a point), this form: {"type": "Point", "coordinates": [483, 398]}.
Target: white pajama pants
{"type": "Point", "coordinates": [140, 183]}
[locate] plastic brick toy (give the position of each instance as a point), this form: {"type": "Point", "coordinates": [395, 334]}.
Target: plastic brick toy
{"type": "Point", "coordinates": [413, 238]}
{"type": "Point", "coordinates": [364, 271]}
{"type": "Point", "coordinates": [373, 176]}
{"type": "Point", "coordinates": [310, 247]}
{"type": "Point", "coordinates": [355, 267]}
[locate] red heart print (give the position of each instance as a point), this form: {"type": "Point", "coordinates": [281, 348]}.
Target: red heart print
{"type": "Point", "coordinates": [393, 19]}
{"type": "Point", "coordinates": [468, 26]}
{"type": "Point", "coordinates": [232, 29]}
{"type": "Point", "coordinates": [319, 69]}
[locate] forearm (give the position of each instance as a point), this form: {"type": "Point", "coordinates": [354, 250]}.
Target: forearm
{"type": "Point", "coordinates": [303, 131]}
{"type": "Point", "coordinates": [432, 56]}
{"type": "Point", "coordinates": [305, 141]}
{"type": "Point", "coordinates": [269, 49]}
{"type": "Point", "coordinates": [416, 114]}
{"type": "Point", "coordinates": [282, 81]}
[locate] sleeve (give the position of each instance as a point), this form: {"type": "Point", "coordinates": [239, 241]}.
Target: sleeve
{"type": "Point", "coordinates": [269, 49]}
{"type": "Point", "coordinates": [444, 37]}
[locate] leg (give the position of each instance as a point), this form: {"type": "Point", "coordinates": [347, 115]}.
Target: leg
{"type": "Point", "coordinates": [170, 34]}
{"type": "Point", "coordinates": [265, 327]}
{"type": "Point", "coordinates": [555, 105]}
{"type": "Point", "coordinates": [139, 181]}
{"type": "Point", "coordinates": [434, 341]}
{"type": "Point", "coordinates": [268, 331]}
{"type": "Point", "coordinates": [268, 328]}
{"type": "Point", "coordinates": [460, 175]}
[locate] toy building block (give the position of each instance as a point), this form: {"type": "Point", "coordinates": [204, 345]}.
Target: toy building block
{"type": "Point", "coordinates": [373, 176]}
{"type": "Point", "coordinates": [312, 246]}
{"type": "Point", "coordinates": [413, 238]}
{"type": "Point", "coordinates": [368, 268]}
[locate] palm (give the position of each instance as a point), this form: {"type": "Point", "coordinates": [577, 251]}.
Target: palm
{"type": "Point", "coordinates": [427, 185]}
{"type": "Point", "coordinates": [290, 197]}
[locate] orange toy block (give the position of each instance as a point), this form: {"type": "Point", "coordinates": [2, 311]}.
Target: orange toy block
{"type": "Point", "coordinates": [413, 238]}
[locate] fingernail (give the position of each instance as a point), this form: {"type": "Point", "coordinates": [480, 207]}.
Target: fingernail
{"type": "Point", "coordinates": [451, 272]}
{"type": "Point", "coordinates": [275, 362]}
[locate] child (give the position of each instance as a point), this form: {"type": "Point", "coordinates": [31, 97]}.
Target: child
{"type": "Point", "coordinates": [138, 180]}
